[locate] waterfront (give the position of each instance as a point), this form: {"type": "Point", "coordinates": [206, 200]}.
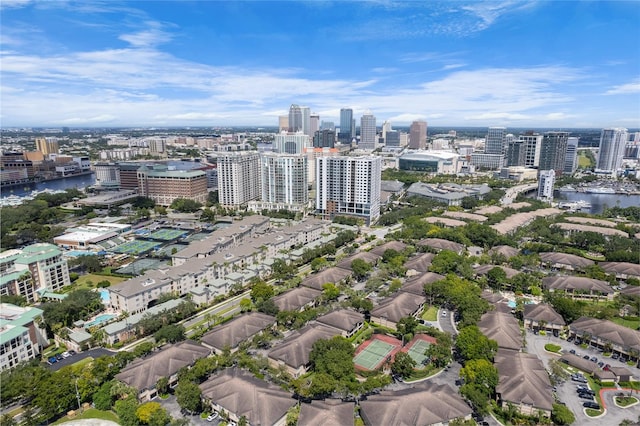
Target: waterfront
{"type": "Point", "coordinates": [78, 182]}
{"type": "Point", "coordinates": [600, 201]}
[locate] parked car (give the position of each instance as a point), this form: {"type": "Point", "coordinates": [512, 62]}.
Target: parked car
{"type": "Point", "coordinates": [606, 367]}
{"type": "Point", "coordinates": [66, 354]}
{"type": "Point", "coordinates": [572, 351]}
{"type": "Point", "coordinates": [582, 387]}
{"type": "Point", "coordinates": [615, 356]}
{"type": "Point", "coordinates": [72, 352]}
{"type": "Point", "coordinates": [444, 313]}
{"type": "Point", "coordinates": [586, 396]}
{"type": "Point", "coordinates": [52, 360]}
{"type": "Point", "coordinates": [570, 339]}
{"type": "Point", "coordinates": [591, 404]}
{"type": "Point", "coordinates": [59, 357]}
{"type": "Point", "coordinates": [594, 359]}
{"type": "Point", "coordinates": [212, 416]}
{"type": "Point", "coordinates": [585, 357]}
{"type": "Point", "coordinates": [601, 364]}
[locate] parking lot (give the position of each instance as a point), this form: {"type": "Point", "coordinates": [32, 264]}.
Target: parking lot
{"type": "Point", "coordinates": [566, 392]}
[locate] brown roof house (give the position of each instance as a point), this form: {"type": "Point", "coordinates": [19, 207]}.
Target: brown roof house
{"type": "Point", "coordinates": [232, 333]}
{"type": "Point", "coordinates": [393, 309]}
{"type": "Point", "coordinates": [367, 256]}
{"type": "Point", "coordinates": [143, 374]}
{"type": "Point", "coordinates": [391, 245]}
{"type": "Point", "coordinates": [296, 299]}
{"type": "Point", "coordinates": [484, 270]}
{"type": "Point", "coordinates": [607, 335]}
{"type": "Point", "coordinates": [419, 263]}
{"type": "Point", "coordinates": [506, 251]}
{"type": "Point", "coordinates": [293, 351]}
{"type": "Point", "coordinates": [239, 394]}
{"type": "Point", "coordinates": [416, 284]}
{"type": "Point", "coordinates": [579, 287]}
{"type": "Point", "coordinates": [440, 244]}
{"type": "Point", "coordinates": [524, 382]}
{"type": "Point", "coordinates": [331, 275]}
{"type": "Point", "coordinates": [327, 412]}
{"type": "Point", "coordinates": [567, 261]}
{"type": "Point", "coordinates": [622, 270]}
{"type": "Point", "coordinates": [503, 328]}
{"type": "Point", "coordinates": [542, 316]}
{"type": "Point", "coordinates": [426, 404]}
{"type": "Point", "coordinates": [347, 321]}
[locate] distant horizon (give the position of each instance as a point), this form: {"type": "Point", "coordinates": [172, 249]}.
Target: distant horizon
{"type": "Point", "coordinates": [549, 64]}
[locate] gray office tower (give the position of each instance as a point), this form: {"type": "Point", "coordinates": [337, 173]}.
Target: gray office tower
{"type": "Point", "coordinates": [347, 132]}
{"type": "Point", "coordinates": [324, 139]}
{"type": "Point", "coordinates": [554, 151]}
{"type": "Point", "coordinates": [295, 118]}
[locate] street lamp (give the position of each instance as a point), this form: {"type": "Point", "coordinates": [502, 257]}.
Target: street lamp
{"type": "Point", "coordinates": [77, 394]}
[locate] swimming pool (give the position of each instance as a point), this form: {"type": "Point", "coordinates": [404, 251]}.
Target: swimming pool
{"type": "Point", "coordinates": [104, 295]}
{"type": "Point", "coordinates": [99, 320]}
{"type": "Point", "coordinates": [512, 304]}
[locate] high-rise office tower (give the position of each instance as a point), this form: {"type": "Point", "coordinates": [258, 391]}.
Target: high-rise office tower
{"type": "Point", "coordinates": [314, 125]}
{"type": "Point", "coordinates": [327, 125]}
{"type": "Point", "coordinates": [238, 178]}
{"type": "Point", "coordinates": [349, 186]}
{"type": "Point", "coordinates": [571, 159]}
{"type": "Point", "coordinates": [284, 180]}
{"type": "Point", "coordinates": [295, 118]}
{"type": "Point", "coordinates": [515, 153]}
{"type": "Point", "coordinates": [386, 127]}
{"type": "Point", "coordinates": [283, 123]}
{"type": "Point", "coordinates": [346, 134]}
{"type": "Point", "coordinates": [495, 141]}
{"type": "Point", "coordinates": [418, 135]}
{"type": "Point", "coordinates": [532, 145]}
{"type": "Point", "coordinates": [612, 144]}
{"type": "Point", "coordinates": [553, 151]}
{"type": "Point", "coordinates": [392, 138]}
{"type": "Point", "coordinates": [546, 180]}
{"type": "Point", "coordinates": [367, 131]}
{"type": "Point", "coordinates": [324, 139]}
{"type": "Point", "coordinates": [290, 143]}
{"type": "Point", "coordinates": [306, 120]}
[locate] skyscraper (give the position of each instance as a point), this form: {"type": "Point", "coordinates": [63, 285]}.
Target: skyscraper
{"type": "Point", "coordinates": [515, 153]}
{"type": "Point", "coordinates": [238, 178]}
{"type": "Point", "coordinates": [571, 158]}
{"type": "Point", "coordinates": [47, 146]}
{"type": "Point", "coordinates": [612, 145]}
{"type": "Point", "coordinates": [346, 122]}
{"type": "Point", "coordinates": [314, 124]}
{"type": "Point", "coordinates": [367, 131]}
{"type": "Point", "coordinates": [553, 151]}
{"type": "Point", "coordinates": [284, 181]}
{"type": "Point", "coordinates": [324, 139]}
{"type": "Point", "coordinates": [290, 143]}
{"type": "Point", "coordinates": [495, 141]}
{"type": "Point", "coordinates": [306, 120]}
{"type": "Point", "coordinates": [418, 135]}
{"type": "Point", "coordinates": [349, 186]}
{"type": "Point", "coordinates": [532, 145]}
{"type": "Point", "coordinates": [283, 123]}
{"type": "Point", "coordinates": [295, 118]}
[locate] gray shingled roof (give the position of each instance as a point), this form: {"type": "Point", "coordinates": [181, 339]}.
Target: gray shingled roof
{"type": "Point", "coordinates": [295, 299]}
{"type": "Point", "coordinates": [416, 284]}
{"type": "Point", "coordinates": [330, 275]}
{"type": "Point", "coordinates": [426, 404]}
{"type": "Point", "coordinates": [327, 412]}
{"type": "Point", "coordinates": [565, 259]}
{"type": "Point", "coordinates": [342, 319]}
{"type": "Point", "coordinates": [571, 283]}
{"type": "Point", "coordinates": [399, 306]}
{"type": "Point", "coordinates": [144, 373]}
{"type": "Point", "coordinates": [484, 270]}
{"type": "Point", "coordinates": [239, 392]}
{"type": "Point", "coordinates": [420, 262]}
{"type": "Point", "coordinates": [579, 363]}
{"type": "Point", "coordinates": [631, 269]}
{"type": "Point", "coordinates": [294, 350]}
{"type": "Point", "coordinates": [237, 330]}
{"type": "Point", "coordinates": [391, 245]}
{"type": "Point", "coordinates": [523, 379]}
{"type": "Point", "coordinates": [506, 251]}
{"type": "Point", "coordinates": [366, 256]}
{"type": "Point", "coordinates": [607, 331]}
{"type": "Point", "coordinates": [440, 244]}
{"type": "Point", "coordinates": [503, 328]}
{"type": "Point", "coordinates": [542, 312]}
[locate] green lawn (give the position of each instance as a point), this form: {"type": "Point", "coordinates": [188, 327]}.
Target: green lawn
{"type": "Point", "coordinates": [625, 401]}
{"type": "Point", "coordinates": [91, 413]}
{"type": "Point", "coordinates": [431, 314]}
{"type": "Point", "coordinates": [89, 281]}
{"type": "Point", "coordinates": [632, 324]}
{"type": "Point", "coordinates": [583, 160]}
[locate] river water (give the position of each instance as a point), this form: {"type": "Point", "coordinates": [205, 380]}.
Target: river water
{"type": "Point", "coordinates": [600, 201]}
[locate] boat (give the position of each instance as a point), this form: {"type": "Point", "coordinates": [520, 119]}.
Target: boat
{"type": "Point", "coordinates": [574, 205]}
{"type": "Point", "coordinates": [600, 190]}
{"type": "Point", "coordinates": [567, 188]}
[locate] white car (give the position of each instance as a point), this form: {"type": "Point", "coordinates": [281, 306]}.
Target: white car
{"type": "Point", "coordinates": [212, 416]}
{"type": "Point", "coordinates": [65, 354]}
{"type": "Point", "coordinates": [444, 313]}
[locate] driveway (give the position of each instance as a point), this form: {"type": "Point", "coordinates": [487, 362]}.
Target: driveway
{"type": "Point", "coordinates": [171, 405]}
{"type": "Point", "coordinates": [566, 391]}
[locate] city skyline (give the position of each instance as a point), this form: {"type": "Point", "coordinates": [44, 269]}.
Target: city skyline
{"type": "Point", "coordinates": [476, 64]}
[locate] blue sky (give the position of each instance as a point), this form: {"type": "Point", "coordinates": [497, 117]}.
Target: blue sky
{"type": "Point", "coordinates": [559, 64]}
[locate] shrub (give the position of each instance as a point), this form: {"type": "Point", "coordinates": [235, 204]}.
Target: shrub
{"type": "Point", "coordinates": [552, 347]}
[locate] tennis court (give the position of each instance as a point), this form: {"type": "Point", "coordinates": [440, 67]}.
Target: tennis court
{"type": "Point", "coordinates": [374, 354]}
{"type": "Point", "coordinates": [417, 350]}
{"type": "Point", "coordinates": [136, 247]}
{"type": "Point", "coordinates": [165, 234]}
{"type": "Point", "coordinates": [138, 266]}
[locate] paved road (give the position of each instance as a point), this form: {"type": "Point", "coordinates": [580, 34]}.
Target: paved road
{"type": "Point", "coordinates": [172, 407]}
{"type": "Point", "coordinates": [566, 391]}
{"type": "Point", "coordinates": [447, 322]}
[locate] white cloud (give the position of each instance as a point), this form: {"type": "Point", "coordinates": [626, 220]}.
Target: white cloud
{"type": "Point", "coordinates": [150, 37]}
{"type": "Point", "coordinates": [625, 89]}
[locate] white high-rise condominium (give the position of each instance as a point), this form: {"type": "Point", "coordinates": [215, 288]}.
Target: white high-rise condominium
{"type": "Point", "coordinates": [349, 186]}
{"type": "Point", "coordinates": [306, 120]}
{"type": "Point", "coordinates": [546, 180]}
{"type": "Point", "coordinates": [532, 144]}
{"type": "Point", "coordinates": [367, 131]}
{"type": "Point", "coordinates": [612, 144]}
{"type": "Point", "coordinates": [571, 159]}
{"type": "Point", "coordinates": [238, 178]}
{"type": "Point", "coordinates": [290, 143]}
{"type": "Point", "coordinates": [284, 181]}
